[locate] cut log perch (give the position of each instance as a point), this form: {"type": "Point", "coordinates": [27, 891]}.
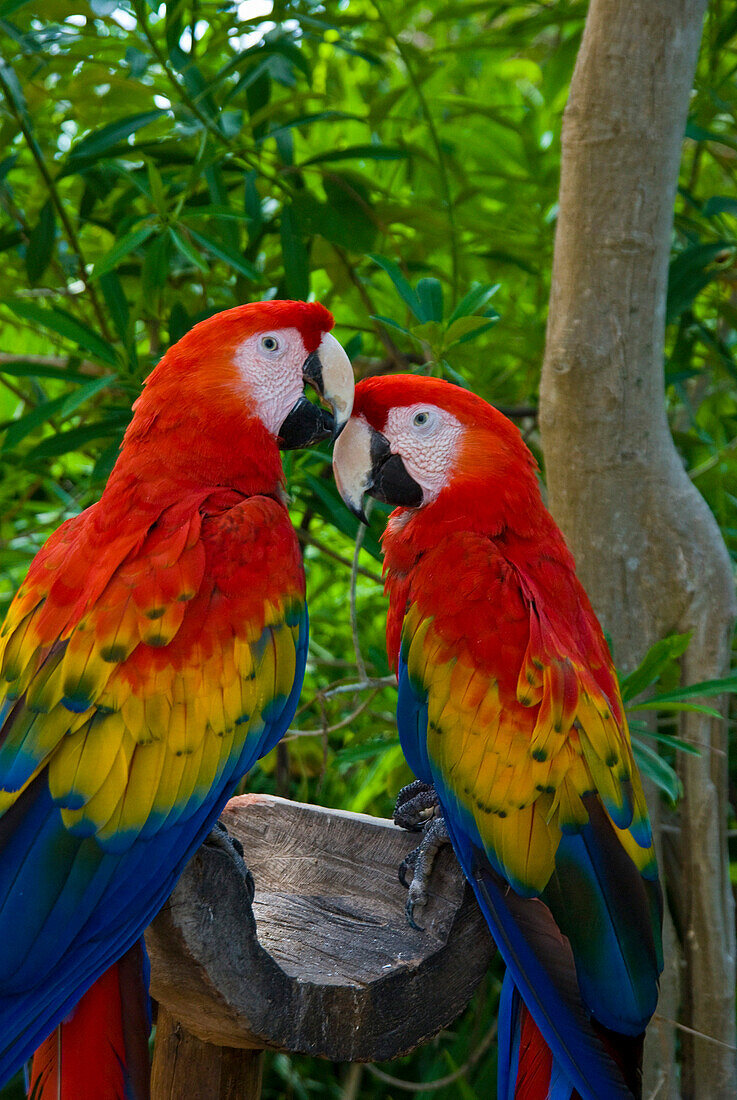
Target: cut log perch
{"type": "Point", "coordinates": [323, 962]}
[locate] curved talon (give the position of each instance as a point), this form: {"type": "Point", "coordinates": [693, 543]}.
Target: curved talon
{"type": "Point", "coordinates": [408, 911]}
{"type": "Point", "coordinates": [407, 864]}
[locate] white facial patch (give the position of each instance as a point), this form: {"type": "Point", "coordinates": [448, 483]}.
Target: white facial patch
{"type": "Point", "coordinates": [270, 364]}
{"type": "Point", "coordinates": [428, 439]}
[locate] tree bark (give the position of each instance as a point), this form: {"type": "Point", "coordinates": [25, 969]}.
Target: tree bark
{"type": "Point", "coordinates": [649, 550]}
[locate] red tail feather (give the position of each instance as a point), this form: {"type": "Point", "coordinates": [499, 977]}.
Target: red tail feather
{"type": "Point", "coordinates": [535, 1063]}
{"type": "Point", "coordinates": [101, 1048]}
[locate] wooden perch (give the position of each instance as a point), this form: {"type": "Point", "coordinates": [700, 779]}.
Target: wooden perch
{"type": "Point", "coordinates": [323, 963]}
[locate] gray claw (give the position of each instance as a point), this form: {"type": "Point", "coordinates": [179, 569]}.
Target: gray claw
{"type": "Point", "coordinates": [416, 804]}
{"type": "Point", "coordinates": [421, 861]}
{"type": "Point", "coordinates": [408, 911]}
{"type": "Point", "coordinates": [220, 840]}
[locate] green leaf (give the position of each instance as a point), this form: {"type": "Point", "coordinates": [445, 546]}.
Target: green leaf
{"type": "Point", "coordinates": [405, 291]}
{"type": "Point", "coordinates": [358, 152]}
{"type": "Point", "coordinates": [691, 271]}
{"type": "Point", "coordinates": [489, 318]}
{"type": "Point", "coordinates": [117, 305]}
{"type": "Point", "coordinates": [657, 769]}
{"type": "Point", "coordinates": [653, 664]}
{"type": "Point", "coordinates": [41, 243]}
{"type": "Point", "coordinates": [74, 438]}
{"type": "Point", "coordinates": [720, 204]}
{"type": "Point", "coordinates": [704, 690]}
{"type": "Point", "coordinates": [188, 251]}
{"type": "Point", "coordinates": [122, 248]}
{"type": "Point", "coordinates": [228, 255]}
{"type": "Point", "coordinates": [7, 7]}
{"type": "Point", "coordinates": [465, 327]}
{"type": "Point", "coordinates": [677, 743]}
{"type": "Point", "coordinates": [63, 324]}
{"type": "Point", "coordinates": [294, 253]}
{"type": "Point", "coordinates": [669, 705]}
{"type": "Point", "coordinates": [155, 267]}
{"type": "Point", "coordinates": [24, 368]}
{"type": "Point", "coordinates": [64, 405]}
{"type": "Point", "coordinates": [430, 297]}
{"type": "Point", "coordinates": [329, 505]}
{"type": "Point", "coordinates": [95, 144]}
{"type": "Point", "coordinates": [477, 297]}
{"type": "Point", "coordinates": [391, 323]}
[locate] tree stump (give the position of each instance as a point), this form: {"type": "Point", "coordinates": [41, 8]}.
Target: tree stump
{"type": "Point", "coordinates": [323, 962]}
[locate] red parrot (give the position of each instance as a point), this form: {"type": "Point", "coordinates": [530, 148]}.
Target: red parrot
{"type": "Point", "coordinates": [154, 652]}
{"type": "Point", "coordinates": [510, 715]}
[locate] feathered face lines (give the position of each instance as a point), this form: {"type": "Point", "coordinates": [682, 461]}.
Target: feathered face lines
{"type": "Point", "coordinates": [428, 441]}
{"type": "Point", "coordinates": [270, 366]}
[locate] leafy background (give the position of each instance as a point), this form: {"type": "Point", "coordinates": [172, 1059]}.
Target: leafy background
{"type": "Point", "coordinates": [162, 161]}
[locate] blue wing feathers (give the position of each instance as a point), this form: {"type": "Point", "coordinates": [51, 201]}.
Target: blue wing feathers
{"type": "Point", "coordinates": [540, 963]}
{"type": "Point", "coordinates": [412, 724]}
{"type": "Point", "coordinates": [54, 882]}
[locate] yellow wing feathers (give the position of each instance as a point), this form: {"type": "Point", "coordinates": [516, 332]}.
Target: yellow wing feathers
{"type": "Point", "coordinates": [149, 697]}
{"type": "Point", "coordinates": [517, 751]}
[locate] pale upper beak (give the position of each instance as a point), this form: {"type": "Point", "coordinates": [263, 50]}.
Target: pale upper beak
{"type": "Point", "coordinates": [363, 462]}
{"type": "Point", "coordinates": [328, 370]}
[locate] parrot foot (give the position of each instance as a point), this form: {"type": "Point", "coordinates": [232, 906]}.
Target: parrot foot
{"type": "Point", "coordinates": [416, 804]}
{"type": "Point", "coordinates": [420, 862]}
{"type": "Point", "coordinates": [220, 840]}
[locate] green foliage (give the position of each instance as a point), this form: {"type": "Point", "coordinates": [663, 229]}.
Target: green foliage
{"type": "Point", "coordinates": [400, 163]}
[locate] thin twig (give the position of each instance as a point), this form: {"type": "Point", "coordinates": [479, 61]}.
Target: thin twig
{"type": "Point", "coordinates": [363, 685]}
{"type": "Point", "coordinates": [310, 540]}
{"type": "Point", "coordinates": [439, 1082]}
{"type": "Point", "coordinates": [292, 733]}
{"type": "Point", "coordinates": [360, 535]}
{"type": "Point", "coordinates": [692, 1031]}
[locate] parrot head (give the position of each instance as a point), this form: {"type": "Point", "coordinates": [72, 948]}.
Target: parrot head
{"type": "Point", "coordinates": [227, 397]}
{"type": "Point", "coordinates": [257, 358]}
{"type": "Point", "coordinates": [412, 441]}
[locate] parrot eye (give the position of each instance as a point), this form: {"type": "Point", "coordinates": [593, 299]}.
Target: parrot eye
{"type": "Point", "coordinates": [270, 344]}
{"type": "Point", "coordinates": [422, 419]}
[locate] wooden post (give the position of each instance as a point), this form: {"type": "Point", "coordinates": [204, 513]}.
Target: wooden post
{"type": "Point", "coordinates": [323, 962]}
{"type": "Point", "coordinates": [185, 1066]}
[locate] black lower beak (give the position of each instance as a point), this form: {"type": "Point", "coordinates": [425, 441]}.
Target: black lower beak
{"type": "Point", "coordinates": [392, 484]}
{"type": "Point", "coordinates": [390, 481]}
{"type": "Point", "coordinates": [305, 424]}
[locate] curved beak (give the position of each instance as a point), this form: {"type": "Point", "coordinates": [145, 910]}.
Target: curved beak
{"type": "Point", "coordinates": [363, 463]}
{"type": "Point", "coordinates": [328, 370]}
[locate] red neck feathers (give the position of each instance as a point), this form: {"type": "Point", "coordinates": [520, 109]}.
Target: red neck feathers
{"type": "Point", "coordinates": [193, 426]}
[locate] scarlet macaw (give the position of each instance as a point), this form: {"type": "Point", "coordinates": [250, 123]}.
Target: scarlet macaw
{"type": "Point", "coordinates": [509, 707]}
{"type": "Point", "coordinates": [154, 652]}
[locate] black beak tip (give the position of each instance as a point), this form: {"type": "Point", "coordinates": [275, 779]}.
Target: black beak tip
{"type": "Point", "coordinates": [358, 512]}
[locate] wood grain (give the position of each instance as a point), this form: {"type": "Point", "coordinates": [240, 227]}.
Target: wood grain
{"type": "Point", "coordinates": [324, 961]}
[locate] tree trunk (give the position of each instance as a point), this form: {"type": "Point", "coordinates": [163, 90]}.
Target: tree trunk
{"type": "Point", "coordinates": [648, 549]}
